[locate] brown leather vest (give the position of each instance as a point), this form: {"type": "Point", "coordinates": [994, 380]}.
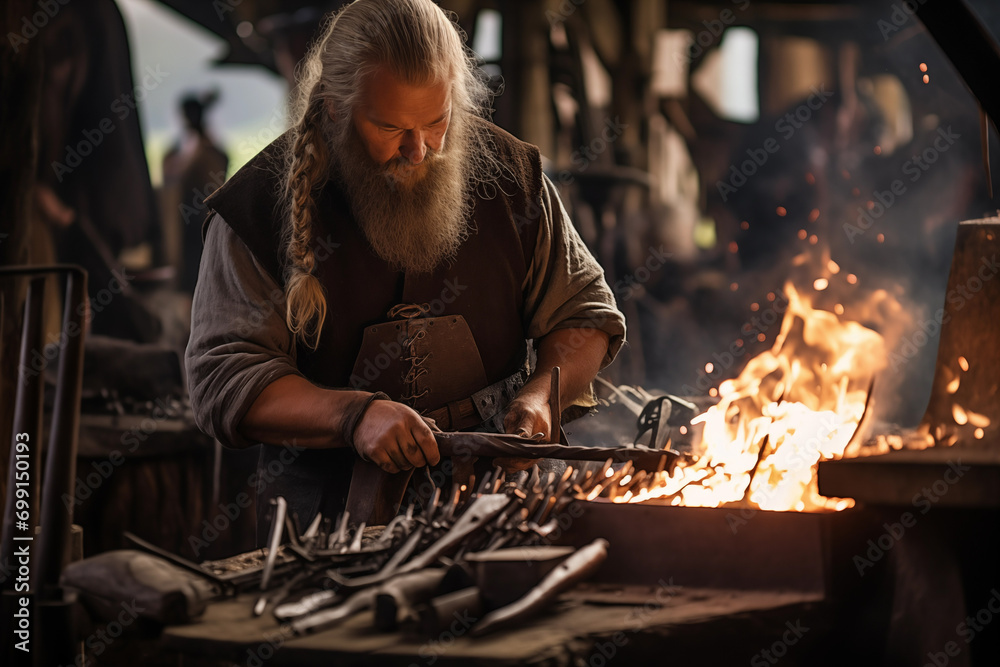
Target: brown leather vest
{"type": "Point", "coordinates": [482, 286]}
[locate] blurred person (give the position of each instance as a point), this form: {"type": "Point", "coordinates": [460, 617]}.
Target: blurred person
{"type": "Point", "coordinates": [93, 196]}
{"type": "Point", "coordinates": [192, 169]}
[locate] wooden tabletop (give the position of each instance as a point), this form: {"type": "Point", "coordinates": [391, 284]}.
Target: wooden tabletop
{"type": "Point", "coordinates": [589, 616]}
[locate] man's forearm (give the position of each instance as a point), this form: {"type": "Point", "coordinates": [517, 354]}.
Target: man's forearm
{"type": "Point", "coordinates": [578, 353]}
{"type": "Point", "coordinates": [295, 411]}
{"type": "Point", "coordinates": [291, 409]}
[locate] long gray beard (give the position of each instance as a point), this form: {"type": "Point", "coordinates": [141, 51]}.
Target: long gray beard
{"type": "Point", "coordinates": [415, 227]}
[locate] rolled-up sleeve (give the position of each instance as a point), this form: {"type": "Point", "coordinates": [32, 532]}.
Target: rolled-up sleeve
{"type": "Point", "coordinates": [565, 287]}
{"type": "Point", "coordinates": [239, 340]}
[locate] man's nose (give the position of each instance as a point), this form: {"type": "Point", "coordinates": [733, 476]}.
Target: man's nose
{"type": "Point", "coordinates": [413, 147]}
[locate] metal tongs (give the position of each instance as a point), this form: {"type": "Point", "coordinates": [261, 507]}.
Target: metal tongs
{"type": "Point", "coordinates": [654, 414]}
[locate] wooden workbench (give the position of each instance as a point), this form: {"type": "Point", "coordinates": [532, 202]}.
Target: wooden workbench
{"type": "Point", "coordinates": [592, 625]}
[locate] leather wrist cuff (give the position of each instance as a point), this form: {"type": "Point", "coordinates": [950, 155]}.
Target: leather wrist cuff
{"type": "Point", "coordinates": [354, 418]}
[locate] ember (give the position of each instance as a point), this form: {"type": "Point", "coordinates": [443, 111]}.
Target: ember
{"type": "Point", "coordinates": [797, 403]}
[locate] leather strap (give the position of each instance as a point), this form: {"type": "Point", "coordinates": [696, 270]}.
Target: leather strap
{"type": "Point", "coordinates": [466, 413]}
{"type": "Point", "coordinates": [455, 415]}
{"type": "Point", "coordinates": [354, 418]}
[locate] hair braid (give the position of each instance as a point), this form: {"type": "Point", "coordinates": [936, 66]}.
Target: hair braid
{"type": "Point", "coordinates": [306, 301]}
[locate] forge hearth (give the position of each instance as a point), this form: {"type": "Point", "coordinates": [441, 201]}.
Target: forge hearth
{"type": "Point", "coordinates": [722, 548]}
{"type": "Point", "coordinates": [962, 418]}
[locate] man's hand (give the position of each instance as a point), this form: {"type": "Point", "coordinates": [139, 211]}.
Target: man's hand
{"type": "Point", "coordinates": [528, 415]}
{"type": "Point", "coordinates": [395, 438]}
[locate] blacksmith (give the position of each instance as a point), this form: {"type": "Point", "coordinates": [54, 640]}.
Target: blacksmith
{"type": "Point", "coordinates": [393, 240]}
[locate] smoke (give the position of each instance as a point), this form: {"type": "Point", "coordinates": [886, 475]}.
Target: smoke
{"type": "Point", "coordinates": [866, 194]}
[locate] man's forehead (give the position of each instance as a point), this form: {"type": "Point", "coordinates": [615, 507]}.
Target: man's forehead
{"type": "Point", "coordinates": [388, 100]}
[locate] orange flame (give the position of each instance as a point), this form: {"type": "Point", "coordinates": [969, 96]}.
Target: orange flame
{"type": "Point", "coordinates": [801, 401]}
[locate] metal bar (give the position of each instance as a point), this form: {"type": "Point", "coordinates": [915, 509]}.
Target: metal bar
{"type": "Point", "coordinates": [555, 407]}
{"type": "Point", "coordinates": [500, 445]}
{"type": "Point", "coordinates": [277, 528]}
{"type": "Point", "coordinates": [179, 561]}
{"type": "Point", "coordinates": [984, 139]}
{"type": "Point", "coordinates": [633, 406]}
{"type": "Point", "coordinates": [577, 567]}
{"type": "Point", "coordinates": [60, 468]}
{"type": "Point", "coordinates": [27, 419]}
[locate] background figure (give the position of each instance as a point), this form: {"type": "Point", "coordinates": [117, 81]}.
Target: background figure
{"type": "Point", "coordinates": [93, 197]}
{"type": "Point", "coordinates": [192, 169]}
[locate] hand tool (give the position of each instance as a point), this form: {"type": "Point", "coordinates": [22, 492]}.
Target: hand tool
{"type": "Point", "coordinates": [513, 446]}
{"type": "Point", "coordinates": [577, 567]}
{"type": "Point", "coordinates": [395, 599]}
